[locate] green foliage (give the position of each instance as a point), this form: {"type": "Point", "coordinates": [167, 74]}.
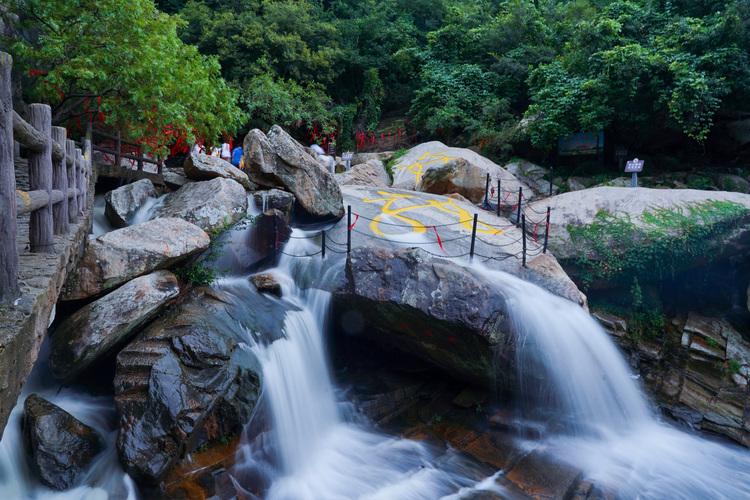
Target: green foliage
{"type": "Point", "coordinates": [198, 274]}
{"type": "Point", "coordinates": [393, 160]}
{"type": "Point", "coordinates": [122, 58]}
{"type": "Point", "coordinates": [614, 248]}
{"type": "Point", "coordinates": [372, 99]}
{"type": "Point", "coordinates": [734, 366]}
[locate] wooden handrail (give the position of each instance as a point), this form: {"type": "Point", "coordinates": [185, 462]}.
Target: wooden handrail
{"type": "Point", "coordinates": [59, 175]}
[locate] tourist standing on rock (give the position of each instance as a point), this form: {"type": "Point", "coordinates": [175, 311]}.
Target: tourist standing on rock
{"type": "Point", "coordinates": [237, 156]}
{"type": "Point", "coordinates": [226, 151]}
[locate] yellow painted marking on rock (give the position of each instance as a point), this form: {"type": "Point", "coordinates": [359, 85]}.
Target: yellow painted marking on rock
{"type": "Point", "coordinates": [426, 160]}
{"type": "Point", "coordinates": [448, 206]}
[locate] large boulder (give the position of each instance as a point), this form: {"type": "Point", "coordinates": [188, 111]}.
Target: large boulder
{"type": "Point", "coordinates": [202, 167]}
{"type": "Point", "coordinates": [119, 256]}
{"type": "Point", "coordinates": [453, 316]}
{"type": "Point", "coordinates": [370, 173]}
{"type": "Point", "coordinates": [189, 379]}
{"type": "Point", "coordinates": [94, 331]}
{"type": "Point", "coordinates": [211, 205]}
{"type": "Point", "coordinates": [447, 314]}
{"type": "Point", "coordinates": [276, 199]}
{"type": "Point", "coordinates": [59, 447]}
{"type": "Point", "coordinates": [610, 226]}
{"type": "Point", "coordinates": [122, 203]}
{"type": "Point", "coordinates": [410, 168]}
{"type": "Point", "coordinates": [455, 176]}
{"type": "Point", "coordinates": [276, 160]}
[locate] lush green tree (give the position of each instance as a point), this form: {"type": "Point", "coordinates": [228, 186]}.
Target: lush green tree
{"type": "Point", "coordinates": [121, 60]}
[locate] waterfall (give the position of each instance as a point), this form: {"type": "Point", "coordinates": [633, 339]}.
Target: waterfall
{"type": "Point", "coordinates": [322, 452]}
{"type": "Point", "coordinates": [104, 478]}
{"type": "Point", "coordinates": [571, 373]}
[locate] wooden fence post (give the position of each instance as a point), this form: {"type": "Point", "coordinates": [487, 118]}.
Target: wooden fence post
{"type": "Point", "coordinates": [81, 180]}
{"type": "Point", "coordinates": [88, 157]}
{"type": "Point", "coordinates": [60, 182]}
{"type": "Point", "coordinates": [70, 153]}
{"type": "Point", "coordinates": [41, 239]}
{"type": "Point", "coordinates": [8, 251]}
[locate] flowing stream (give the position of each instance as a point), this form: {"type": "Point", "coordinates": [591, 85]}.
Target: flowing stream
{"type": "Point", "coordinates": [570, 369]}
{"type": "Point", "coordinates": [312, 443]}
{"type": "Point", "coordinates": [323, 449]}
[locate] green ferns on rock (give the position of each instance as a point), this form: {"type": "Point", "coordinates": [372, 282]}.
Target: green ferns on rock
{"type": "Point", "coordinates": [613, 248]}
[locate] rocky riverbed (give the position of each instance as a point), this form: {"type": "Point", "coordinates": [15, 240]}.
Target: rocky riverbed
{"type": "Point", "coordinates": [186, 313]}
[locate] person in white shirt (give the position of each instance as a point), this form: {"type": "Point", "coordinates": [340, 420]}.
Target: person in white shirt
{"type": "Point", "coordinates": [226, 152]}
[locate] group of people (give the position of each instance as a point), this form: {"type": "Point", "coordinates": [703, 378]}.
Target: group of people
{"type": "Point", "coordinates": [225, 152]}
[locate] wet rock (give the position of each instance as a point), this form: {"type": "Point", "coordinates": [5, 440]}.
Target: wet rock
{"type": "Point", "coordinates": [270, 233]}
{"type": "Point", "coordinates": [100, 327]}
{"type": "Point", "coordinates": [428, 307]}
{"type": "Point", "coordinates": [455, 176]}
{"type": "Point", "coordinates": [545, 271]}
{"type": "Point", "coordinates": [276, 160]}
{"type": "Point", "coordinates": [211, 205]}
{"type": "Point", "coordinates": [541, 476]}
{"type": "Point", "coordinates": [410, 168]}
{"type": "Point", "coordinates": [123, 202]}
{"type": "Point", "coordinates": [370, 173]}
{"type": "Point", "coordinates": [189, 378]}
{"type": "Point", "coordinates": [201, 167]}
{"type": "Point", "coordinates": [614, 325]}
{"type": "Point", "coordinates": [59, 447]}
{"type": "Point", "coordinates": [266, 283]}
{"type": "Point", "coordinates": [175, 177]}
{"type": "Point", "coordinates": [275, 198]}
{"type": "Point", "coordinates": [121, 255]}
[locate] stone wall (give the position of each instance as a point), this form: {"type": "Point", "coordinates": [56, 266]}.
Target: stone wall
{"type": "Point", "coordinates": [23, 324]}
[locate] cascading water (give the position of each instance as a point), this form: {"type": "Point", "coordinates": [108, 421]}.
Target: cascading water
{"type": "Point", "coordinates": [104, 478]}
{"type": "Point", "coordinates": [322, 452]}
{"type": "Point", "coordinates": [606, 427]}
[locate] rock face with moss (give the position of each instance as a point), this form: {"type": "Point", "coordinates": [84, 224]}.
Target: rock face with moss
{"type": "Point", "coordinates": [605, 233]}
{"type": "Point", "coordinates": [697, 369]}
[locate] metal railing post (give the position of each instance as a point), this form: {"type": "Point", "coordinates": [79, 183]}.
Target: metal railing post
{"type": "Point", "coordinates": [546, 231]}
{"type": "Point", "coordinates": [473, 238]}
{"type": "Point", "coordinates": [323, 244]}
{"type": "Point", "coordinates": [499, 192]}
{"type": "Point", "coordinates": [518, 211]}
{"type": "Point", "coordinates": [348, 229]}
{"type": "Point", "coordinates": [523, 230]}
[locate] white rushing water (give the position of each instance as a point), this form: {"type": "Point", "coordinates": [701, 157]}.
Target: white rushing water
{"type": "Point", "coordinates": [324, 451]}
{"type": "Point", "coordinates": [570, 369]}
{"type": "Point", "coordinates": [103, 480]}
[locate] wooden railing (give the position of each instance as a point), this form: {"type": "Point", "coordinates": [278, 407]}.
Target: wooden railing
{"type": "Point", "coordinates": [119, 154]}
{"type": "Point", "coordinates": [59, 176]}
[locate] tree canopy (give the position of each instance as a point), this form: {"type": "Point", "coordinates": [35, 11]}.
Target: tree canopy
{"type": "Point", "coordinates": [121, 61]}
{"type": "Point", "coordinates": [487, 73]}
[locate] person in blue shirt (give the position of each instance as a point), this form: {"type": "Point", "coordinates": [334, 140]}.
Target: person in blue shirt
{"type": "Point", "coordinates": [237, 156]}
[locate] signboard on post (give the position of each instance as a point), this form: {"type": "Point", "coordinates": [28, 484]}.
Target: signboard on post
{"type": "Point", "coordinates": [633, 167]}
